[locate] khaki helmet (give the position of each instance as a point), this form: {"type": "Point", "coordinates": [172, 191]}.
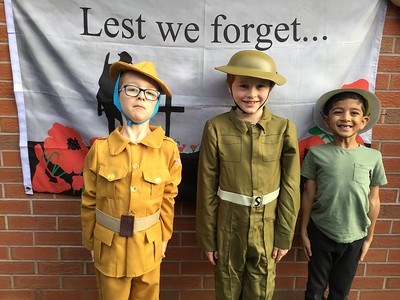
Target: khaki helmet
{"type": "Point", "coordinates": [253, 63]}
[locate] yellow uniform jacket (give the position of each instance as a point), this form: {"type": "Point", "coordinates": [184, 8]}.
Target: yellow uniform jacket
{"type": "Point", "coordinates": [124, 178]}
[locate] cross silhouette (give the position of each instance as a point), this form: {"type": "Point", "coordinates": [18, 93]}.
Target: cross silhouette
{"type": "Point", "coordinates": [168, 109]}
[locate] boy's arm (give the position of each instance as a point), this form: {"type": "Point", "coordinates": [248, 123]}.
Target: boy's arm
{"type": "Point", "coordinates": [374, 207]}
{"type": "Point", "coordinates": [207, 184]}
{"type": "Point", "coordinates": [307, 200]}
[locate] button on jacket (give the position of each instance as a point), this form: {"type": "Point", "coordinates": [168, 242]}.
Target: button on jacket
{"type": "Point", "coordinates": [125, 178]}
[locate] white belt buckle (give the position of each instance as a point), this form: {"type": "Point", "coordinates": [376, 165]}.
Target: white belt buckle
{"type": "Point", "coordinates": [257, 201]}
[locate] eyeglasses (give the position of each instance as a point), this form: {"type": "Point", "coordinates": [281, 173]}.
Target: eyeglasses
{"type": "Point", "coordinates": [134, 91]}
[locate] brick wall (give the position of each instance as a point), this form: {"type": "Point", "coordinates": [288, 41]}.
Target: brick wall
{"type": "Point", "coordinates": [41, 253]}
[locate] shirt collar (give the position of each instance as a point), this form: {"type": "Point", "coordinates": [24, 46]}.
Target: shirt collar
{"type": "Point", "coordinates": [243, 127]}
{"type": "Point", "coordinates": [117, 142]}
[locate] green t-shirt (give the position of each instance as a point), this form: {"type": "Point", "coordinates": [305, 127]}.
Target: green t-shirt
{"type": "Point", "coordinates": [343, 178]}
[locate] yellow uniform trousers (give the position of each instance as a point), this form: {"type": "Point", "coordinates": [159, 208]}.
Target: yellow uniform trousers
{"type": "Point", "coordinates": [144, 287]}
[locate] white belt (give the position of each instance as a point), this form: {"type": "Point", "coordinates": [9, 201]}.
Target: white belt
{"type": "Point", "coordinates": [255, 201]}
{"type": "Point", "coordinates": [114, 223]}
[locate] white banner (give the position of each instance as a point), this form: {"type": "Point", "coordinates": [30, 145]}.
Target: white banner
{"type": "Point", "coordinates": [61, 51]}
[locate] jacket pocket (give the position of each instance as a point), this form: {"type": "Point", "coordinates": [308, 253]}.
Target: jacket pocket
{"type": "Point", "coordinates": [102, 237]}
{"type": "Point", "coordinates": [271, 147]}
{"type": "Point", "coordinates": [156, 179]}
{"type": "Point", "coordinates": [153, 236]}
{"type": "Point", "coordinates": [109, 177]}
{"type": "Point", "coordinates": [230, 148]}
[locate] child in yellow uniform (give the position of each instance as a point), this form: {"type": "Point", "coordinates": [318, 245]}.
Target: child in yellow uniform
{"type": "Point", "coordinates": [131, 179]}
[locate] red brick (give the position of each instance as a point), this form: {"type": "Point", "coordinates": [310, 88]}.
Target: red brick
{"type": "Point", "coordinates": [181, 282]}
{"type": "Point", "coordinates": [15, 207]}
{"type": "Point", "coordinates": [58, 238]}
{"type": "Point", "coordinates": [389, 211]}
{"type": "Point", "coordinates": [8, 108]}
{"type": "Point", "coordinates": [9, 125]}
{"type": "Point", "coordinates": [387, 46]}
{"type": "Point", "coordinates": [5, 282]}
{"type": "Point", "coordinates": [389, 63]}
{"type": "Point", "coordinates": [391, 27]}
{"type": "Point", "coordinates": [16, 238]}
{"type": "Point", "coordinates": [34, 281]}
{"type": "Point", "coordinates": [203, 267]}
{"type": "Point", "coordinates": [390, 149]}
{"type": "Point", "coordinates": [62, 295]}
{"type": "Point", "coordinates": [22, 222]}
{"type": "Point", "coordinates": [34, 253]}
{"type": "Point", "coordinates": [369, 283]}
{"type": "Point", "coordinates": [16, 268]}
{"type": "Point", "coordinates": [376, 255]}
{"type": "Point", "coordinates": [5, 71]}
{"type": "Point", "coordinates": [396, 227]}
{"type": "Point", "coordinates": [66, 223]}
{"type": "Point", "coordinates": [393, 283]}
{"type": "Point", "coordinates": [386, 132]}
{"type": "Point", "coordinates": [197, 294]}
{"type": "Point", "coordinates": [57, 207]}
{"type": "Point", "coordinates": [374, 295]}
{"type": "Point", "coordinates": [18, 295]}
{"type": "Point", "coordinates": [170, 268]}
{"type": "Point", "coordinates": [73, 282]}
{"type": "Point", "coordinates": [11, 159]}
{"type": "Point", "coordinates": [383, 226]}
{"type": "Point", "coordinates": [10, 174]}
{"type": "Point", "coordinates": [394, 255]}
{"type": "Point", "coordinates": [389, 98]}
{"type": "Point", "coordinates": [74, 253]}
{"type": "Point", "coordinates": [60, 268]}
{"type": "Point", "coordinates": [386, 241]}
{"type": "Point", "coordinates": [383, 270]}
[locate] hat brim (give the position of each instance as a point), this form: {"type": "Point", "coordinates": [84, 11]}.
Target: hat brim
{"type": "Point", "coordinates": [374, 108]}
{"type": "Point", "coordinates": [275, 77]}
{"type": "Point", "coordinates": [121, 66]}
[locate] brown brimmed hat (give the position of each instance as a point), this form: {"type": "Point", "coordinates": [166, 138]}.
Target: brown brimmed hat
{"type": "Point", "coordinates": [253, 63]}
{"type": "Point", "coordinates": [146, 68]}
{"type": "Point", "coordinates": [360, 87]}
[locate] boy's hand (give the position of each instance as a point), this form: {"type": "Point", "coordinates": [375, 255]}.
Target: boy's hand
{"type": "Point", "coordinates": [306, 246]}
{"type": "Point", "coordinates": [365, 249]}
{"type": "Point", "coordinates": [212, 257]}
{"type": "Point", "coordinates": [92, 253]}
{"type": "Point", "coordinates": [278, 253]}
{"type": "Point", "coordinates": [164, 248]}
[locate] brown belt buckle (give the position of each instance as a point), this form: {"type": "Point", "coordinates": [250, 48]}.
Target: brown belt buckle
{"type": "Point", "coordinates": [126, 226]}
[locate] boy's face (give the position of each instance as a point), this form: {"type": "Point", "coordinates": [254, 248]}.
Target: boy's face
{"type": "Point", "coordinates": [137, 108]}
{"type": "Point", "coordinates": [250, 93]}
{"type": "Point", "coordinates": [346, 118]}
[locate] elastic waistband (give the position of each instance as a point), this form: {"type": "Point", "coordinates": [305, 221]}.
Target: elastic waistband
{"type": "Point", "coordinates": [254, 201]}
{"type": "Point", "coordinates": [114, 224]}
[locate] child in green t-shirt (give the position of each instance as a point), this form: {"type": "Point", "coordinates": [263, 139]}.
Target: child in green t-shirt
{"type": "Point", "coordinates": [340, 202]}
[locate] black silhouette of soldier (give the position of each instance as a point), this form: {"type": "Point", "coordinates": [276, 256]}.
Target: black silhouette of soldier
{"type": "Point", "coordinates": [105, 93]}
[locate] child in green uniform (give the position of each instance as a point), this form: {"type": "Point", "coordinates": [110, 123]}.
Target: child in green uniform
{"type": "Point", "coordinates": [340, 203]}
{"type": "Point", "coordinates": [248, 183]}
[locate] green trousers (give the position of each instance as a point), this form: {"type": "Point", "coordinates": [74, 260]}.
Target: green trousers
{"type": "Point", "coordinates": [245, 269]}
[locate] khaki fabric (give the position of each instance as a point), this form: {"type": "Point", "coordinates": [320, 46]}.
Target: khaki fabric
{"type": "Point", "coordinates": [249, 160]}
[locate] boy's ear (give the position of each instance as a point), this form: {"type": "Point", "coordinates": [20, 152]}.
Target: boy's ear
{"type": "Point", "coordinates": [364, 121]}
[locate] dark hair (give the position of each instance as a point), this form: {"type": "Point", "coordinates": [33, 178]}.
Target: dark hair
{"type": "Point", "coordinates": [342, 96]}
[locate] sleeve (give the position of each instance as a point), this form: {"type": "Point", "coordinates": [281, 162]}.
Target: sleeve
{"type": "Point", "coordinates": [289, 196]}
{"type": "Point", "coordinates": [88, 205]}
{"type": "Point", "coordinates": [378, 176]}
{"type": "Point", "coordinates": [207, 184]}
{"type": "Point", "coordinates": [308, 166]}
{"type": "Point", "coordinates": [170, 192]}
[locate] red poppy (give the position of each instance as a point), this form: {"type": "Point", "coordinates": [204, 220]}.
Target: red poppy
{"type": "Point", "coordinates": [65, 148]}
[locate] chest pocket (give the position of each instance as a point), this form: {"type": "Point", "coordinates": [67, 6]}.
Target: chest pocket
{"type": "Point", "coordinates": [361, 174]}
{"type": "Point", "coordinates": [271, 147]}
{"type": "Point", "coordinates": [230, 148]}
{"type": "Point", "coordinates": [156, 180]}
{"type": "Point", "coordinates": [110, 177]}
